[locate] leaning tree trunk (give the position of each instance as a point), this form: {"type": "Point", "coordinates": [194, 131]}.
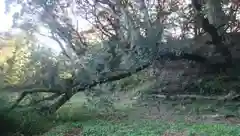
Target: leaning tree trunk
{"type": "Point", "coordinates": [60, 102]}
{"type": "Point", "coordinates": [215, 14]}
{"type": "Point", "coordinates": [217, 18]}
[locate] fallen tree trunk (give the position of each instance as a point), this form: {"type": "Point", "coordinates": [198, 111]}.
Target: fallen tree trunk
{"type": "Point", "coordinates": [66, 95]}
{"type": "Point", "coordinates": [228, 97]}
{"type": "Point", "coordinates": [61, 101]}
{"type": "Point", "coordinates": [31, 91]}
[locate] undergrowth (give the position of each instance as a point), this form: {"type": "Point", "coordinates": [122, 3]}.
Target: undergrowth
{"type": "Point", "coordinates": [75, 119]}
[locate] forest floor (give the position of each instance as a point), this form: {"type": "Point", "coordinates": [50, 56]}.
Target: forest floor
{"type": "Point", "coordinates": [199, 118]}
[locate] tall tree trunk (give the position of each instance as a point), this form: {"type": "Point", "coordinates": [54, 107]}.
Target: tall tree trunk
{"type": "Point", "coordinates": [215, 14]}
{"type": "Point", "coordinates": [217, 17]}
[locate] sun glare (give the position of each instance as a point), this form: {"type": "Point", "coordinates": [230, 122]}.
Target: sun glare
{"type": "Point", "coordinates": [6, 20]}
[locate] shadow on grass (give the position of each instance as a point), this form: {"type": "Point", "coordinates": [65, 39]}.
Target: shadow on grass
{"type": "Point", "coordinates": [25, 122]}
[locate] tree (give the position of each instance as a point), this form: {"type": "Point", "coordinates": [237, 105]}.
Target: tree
{"type": "Point", "coordinates": [14, 57]}
{"type": "Point", "coordinates": [63, 30]}
{"type": "Point", "coordinates": [131, 33]}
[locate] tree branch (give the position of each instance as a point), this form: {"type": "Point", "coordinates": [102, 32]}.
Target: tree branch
{"type": "Point", "coordinates": [217, 39]}
{"type": "Point", "coordinates": [198, 97]}
{"type": "Point", "coordinates": [51, 97]}
{"type": "Point", "coordinates": [31, 91]}
{"type": "Point", "coordinates": [81, 87]}
{"type": "Point", "coordinates": [162, 55]}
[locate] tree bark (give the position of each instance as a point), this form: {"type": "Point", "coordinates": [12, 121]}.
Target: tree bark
{"type": "Point", "coordinates": [215, 14]}
{"type": "Point", "coordinates": [61, 101]}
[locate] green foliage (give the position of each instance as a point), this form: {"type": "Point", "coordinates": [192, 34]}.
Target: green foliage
{"type": "Point", "coordinates": [30, 122]}
{"type": "Point", "coordinates": [212, 87]}
{"type": "Point", "coordinates": [14, 59]}
{"type": "Point", "coordinates": [216, 85]}
{"type": "Point", "coordinates": [22, 120]}
{"type": "Point", "coordinates": [100, 104]}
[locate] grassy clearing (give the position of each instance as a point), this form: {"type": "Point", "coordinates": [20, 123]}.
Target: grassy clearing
{"type": "Point", "coordinates": [74, 119]}
{"type": "Point", "coordinates": [126, 118]}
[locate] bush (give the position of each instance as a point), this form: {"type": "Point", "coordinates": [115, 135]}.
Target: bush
{"type": "Point", "coordinates": [24, 121]}
{"type": "Point", "coordinates": [8, 125]}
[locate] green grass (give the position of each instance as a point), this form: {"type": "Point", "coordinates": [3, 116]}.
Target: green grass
{"type": "Point", "coordinates": [145, 128]}
{"type": "Point", "coordinates": [92, 121]}
{"type": "Point", "coordinates": [95, 123]}
{"type": "Point", "coordinates": [105, 124]}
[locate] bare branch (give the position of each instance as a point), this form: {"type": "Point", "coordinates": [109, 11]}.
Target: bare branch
{"type": "Point", "coordinates": [51, 97]}
{"type": "Point", "coordinates": [31, 91]}
{"type": "Point", "coordinates": [59, 43]}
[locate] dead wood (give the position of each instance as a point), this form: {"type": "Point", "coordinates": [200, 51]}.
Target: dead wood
{"type": "Point", "coordinates": [199, 97]}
